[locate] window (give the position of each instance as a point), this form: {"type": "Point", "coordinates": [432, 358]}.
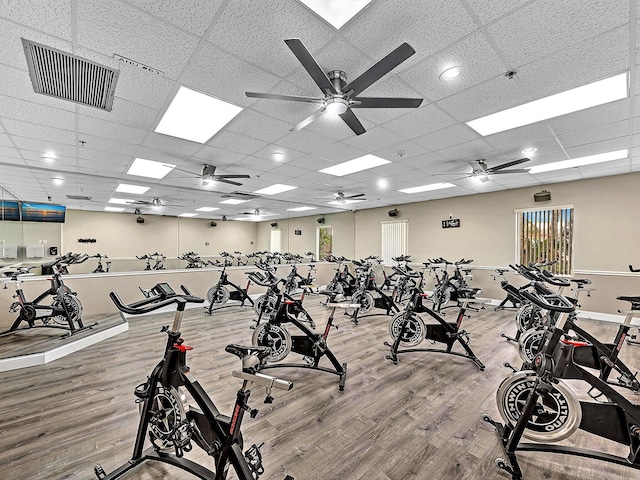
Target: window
{"type": "Point", "coordinates": [394, 240]}
{"type": "Point", "coordinates": [324, 243]}
{"type": "Point", "coordinates": [547, 235]}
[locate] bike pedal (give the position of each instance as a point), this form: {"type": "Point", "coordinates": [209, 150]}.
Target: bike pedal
{"type": "Point", "coordinates": [254, 458]}
{"type": "Point", "coordinates": [99, 471]}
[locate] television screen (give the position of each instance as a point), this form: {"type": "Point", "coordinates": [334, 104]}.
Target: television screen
{"type": "Point", "coordinates": [9, 210]}
{"type": "Point", "coordinates": [43, 212]}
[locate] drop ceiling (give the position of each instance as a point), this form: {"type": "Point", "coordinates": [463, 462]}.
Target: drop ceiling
{"type": "Point", "coordinates": [226, 47]}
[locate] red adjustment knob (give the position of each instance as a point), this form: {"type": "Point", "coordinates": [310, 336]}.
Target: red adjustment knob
{"type": "Point", "coordinates": [182, 348]}
{"type": "Point", "coordinates": [288, 302]}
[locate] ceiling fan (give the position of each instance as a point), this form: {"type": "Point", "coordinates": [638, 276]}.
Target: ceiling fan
{"type": "Point", "coordinates": [209, 175]}
{"type": "Point", "coordinates": [340, 197]}
{"type": "Point", "coordinates": [339, 97]}
{"type": "Point", "coordinates": [155, 202]}
{"type": "Point", "coordinates": [258, 213]}
{"type": "Point", "coordinates": [480, 170]}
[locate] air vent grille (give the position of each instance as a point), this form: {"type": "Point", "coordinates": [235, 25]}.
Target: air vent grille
{"type": "Point", "coordinates": [79, 197]}
{"type": "Point", "coordinates": [61, 75]}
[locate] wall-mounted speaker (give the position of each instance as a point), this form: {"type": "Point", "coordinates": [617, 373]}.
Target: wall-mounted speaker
{"type": "Point", "coordinates": [543, 196]}
{"type": "Point", "coordinates": [297, 231]}
{"type": "Point", "coordinates": [224, 218]}
{"type": "Point", "coordinates": [274, 225]}
{"type": "Point", "coordinates": [393, 213]}
{"type": "Point", "coordinates": [139, 220]}
{"type": "Point", "coordinates": [320, 220]}
{"type": "Point", "coordinates": [214, 224]}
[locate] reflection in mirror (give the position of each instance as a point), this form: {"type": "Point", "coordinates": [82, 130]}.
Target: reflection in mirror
{"type": "Point", "coordinates": [10, 229]}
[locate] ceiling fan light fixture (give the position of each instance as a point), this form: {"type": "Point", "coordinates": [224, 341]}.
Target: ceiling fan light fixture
{"type": "Point", "coordinates": [57, 180]}
{"type": "Point", "coordinates": [336, 105]}
{"type": "Point", "coordinates": [529, 151]}
{"type": "Point", "coordinates": [450, 73]}
{"type": "Point", "coordinates": [278, 156]}
{"type": "Point", "coordinates": [156, 202]}
{"type": "Point", "coordinates": [49, 157]}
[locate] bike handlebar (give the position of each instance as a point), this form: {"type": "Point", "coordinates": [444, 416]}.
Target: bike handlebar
{"type": "Point", "coordinates": [633, 269]}
{"type": "Point", "coordinates": [564, 305]}
{"type": "Point", "coordinates": [155, 302]}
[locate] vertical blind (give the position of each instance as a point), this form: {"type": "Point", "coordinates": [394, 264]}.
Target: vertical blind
{"type": "Point", "coordinates": [394, 240]}
{"type": "Point", "coordinates": [547, 235]}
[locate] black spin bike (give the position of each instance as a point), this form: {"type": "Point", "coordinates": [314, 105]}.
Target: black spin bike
{"type": "Point", "coordinates": [219, 294]}
{"type": "Point", "coordinates": [172, 425]}
{"type": "Point", "coordinates": [538, 405]}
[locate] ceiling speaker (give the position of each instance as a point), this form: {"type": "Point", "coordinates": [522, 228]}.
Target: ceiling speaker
{"type": "Point", "coordinates": [224, 218]}
{"type": "Point", "coordinates": [214, 224]}
{"type": "Point", "coordinates": [393, 213]}
{"type": "Point", "coordinates": [543, 196]}
{"type": "Point", "coordinates": [274, 225]}
{"type": "Point", "coordinates": [140, 220]}
{"type": "Point", "coordinates": [320, 220]}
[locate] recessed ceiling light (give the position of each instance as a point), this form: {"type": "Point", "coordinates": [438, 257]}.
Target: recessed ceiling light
{"type": "Point", "coordinates": [428, 188]}
{"type": "Point", "coordinates": [277, 156]}
{"type": "Point", "coordinates": [529, 151]}
{"type": "Point", "coordinates": [195, 116]}
{"type": "Point", "coordinates": [300, 209]}
{"type": "Point", "coordinates": [336, 12]}
{"type": "Point", "coordinates": [207, 209]}
{"type": "Point", "coordinates": [135, 189]}
{"type": "Point", "coordinates": [587, 96]}
{"type": "Point", "coordinates": [149, 168]}
{"type": "Point", "coordinates": [579, 162]}
{"type": "Point", "coordinates": [113, 209]}
{"type": "Point", "coordinates": [356, 165]}
{"type": "Point", "coordinates": [57, 180]}
{"type": "Point", "coordinates": [451, 72]}
{"type": "Point", "coordinates": [188, 215]}
{"type": "Point", "coordinates": [382, 183]}
{"type": "Point", "coordinates": [49, 157]}
{"type": "Point", "coordinates": [275, 189]}
{"type": "Point", "coordinates": [120, 201]}
{"type": "Point", "coordinates": [233, 201]}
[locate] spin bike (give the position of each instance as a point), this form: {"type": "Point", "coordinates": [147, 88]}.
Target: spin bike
{"type": "Point", "coordinates": [219, 294]}
{"type": "Point", "coordinates": [409, 329]}
{"type": "Point", "coordinates": [65, 311]}
{"type": "Point", "coordinates": [294, 280]}
{"type": "Point", "coordinates": [537, 405]}
{"type": "Point", "coordinates": [363, 295]}
{"type": "Point", "coordinates": [172, 425]}
{"type": "Point", "coordinates": [100, 268]}
{"type": "Point", "coordinates": [312, 346]}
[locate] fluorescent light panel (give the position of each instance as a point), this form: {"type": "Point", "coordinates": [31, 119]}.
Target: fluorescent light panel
{"type": "Point", "coordinates": [428, 188]}
{"type": "Point", "coordinates": [120, 201]}
{"type": "Point", "coordinates": [336, 12]}
{"type": "Point", "coordinates": [587, 96]}
{"type": "Point", "coordinates": [195, 116]}
{"type": "Point", "coordinates": [300, 209]}
{"type": "Point", "coordinates": [149, 168]}
{"type": "Point", "coordinates": [135, 189]}
{"type": "Point", "coordinates": [275, 189]}
{"type": "Point", "coordinates": [113, 209]}
{"type": "Point", "coordinates": [188, 215]}
{"type": "Point", "coordinates": [233, 201]}
{"type": "Point", "coordinates": [356, 165]}
{"type": "Point", "coordinates": [207, 209]}
{"type": "Point", "coordinates": [582, 161]}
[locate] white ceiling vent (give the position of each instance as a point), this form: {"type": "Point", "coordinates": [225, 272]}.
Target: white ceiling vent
{"type": "Point", "coordinates": [62, 75]}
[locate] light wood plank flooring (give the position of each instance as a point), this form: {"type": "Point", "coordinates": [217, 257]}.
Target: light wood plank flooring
{"type": "Point", "coordinates": [419, 419]}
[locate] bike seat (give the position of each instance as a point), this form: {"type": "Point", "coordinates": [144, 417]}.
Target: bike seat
{"type": "Point", "coordinates": [635, 301]}
{"type": "Point", "coordinates": [581, 281]}
{"type": "Point", "coordinates": [243, 351]}
{"type": "Point", "coordinates": [468, 292]}
{"type": "Point", "coordinates": [501, 271]}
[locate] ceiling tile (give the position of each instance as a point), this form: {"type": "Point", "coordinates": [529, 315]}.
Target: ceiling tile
{"type": "Point", "coordinates": [144, 87]}
{"type": "Point", "coordinates": [96, 127]}
{"type": "Point", "coordinates": [36, 113]}
{"type": "Point", "coordinates": [7, 152]}
{"type": "Point", "coordinates": [175, 146]}
{"type": "Point", "coordinates": [217, 156]}
{"type": "Point", "coordinates": [474, 54]}
{"type": "Point", "coordinates": [234, 141]}
{"type": "Point", "coordinates": [108, 145]}
{"type": "Point", "coordinates": [125, 113]}
{"type": "Point", "coordinates": [134, 35]}
{"type": "Point", "coordinates": [596, 134]}
{"type": "Point", "coordinates": [527, 136]}
{"type": "Point", "coordinates": [374, 139]}
{"type": "Point", "coordinates": [258, 125]}
{"type": "Point", "coordinates": [446, 137]}
{"type": "Point", "coordinates": [591, 117]}
{"type": "Point", "coordinates": [192, 15]}
{"type": "Point", "coordinates": [305, 141]}
{"type": "Point", "coordinates": [339, 152]}
{"type": "Point", "coordinates": [17, 128]}
{"type": "Point", "coordinates": [526, 35]}
{"type": "Point", "coordinates": [423, 120]}
{"type": "Point", "coordinates": [255, 30]}
{"type": "Point", "coordinates": [477, 148]}
{"type": "Point", "coordinates": [489, 10]}
{"type": "Point", "coordinates": [427, 30]}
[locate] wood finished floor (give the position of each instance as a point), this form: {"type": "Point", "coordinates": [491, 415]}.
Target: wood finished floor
{"type": "Point", "coordinates": [419, 419]}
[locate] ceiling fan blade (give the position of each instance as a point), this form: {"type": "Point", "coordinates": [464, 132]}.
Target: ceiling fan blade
{"type": "Point", "coordinates": [232, 176]}
{"type": "Point", "coordinates": [354, 124]}
{"type": "Point", "coordinates": [377, 102]}
{"type": "Point", "coordinates": [310, 65]}
{"type": "Point", "coordinates": [223, 180]}
{"type": "Point", "coordinates": [311, 118]}
{"type": "Point", "coordinates": [514, 170]}
{"type": "Point", "coordinates": [508, 164]}
{"type": "Point", "coordinates": [358, 195]}
{"type": "Point", "coordinates": [380, 69]}
{"type": "Point", "coordinates": [291, 98]}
